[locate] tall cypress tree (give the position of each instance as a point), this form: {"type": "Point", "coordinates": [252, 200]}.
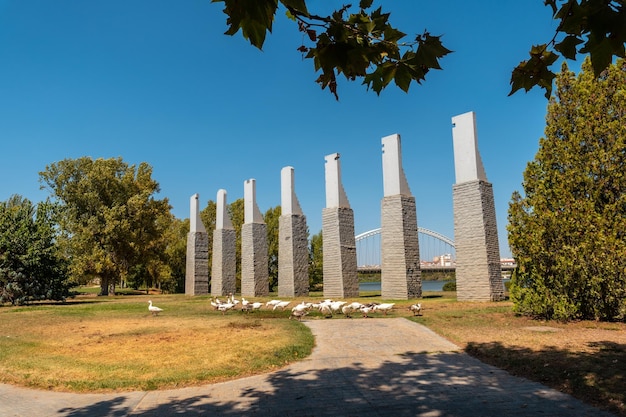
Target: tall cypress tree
{"type": "Point", "coordinates": [568, 230]}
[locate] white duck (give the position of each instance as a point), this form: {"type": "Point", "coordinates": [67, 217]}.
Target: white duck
{"type": "Point", "coordinates": [337, 305]}
{"type": "Point", "coordinates": [216, 303]}
{"type": "Point", "coordinates": [281, 305]}
{"type": "Point", "coordinates": [298, 314]}
{"type": "Point", "coordinates": [326, 310]}
{"type": "Point", "coordinates": [272, 303]}
{"type": "Point", "coordinates": [365, 310]}
{"type": "Point", "coordinates": [154, 309]}
{"type": "Point", "coordinates": [224, 307]}
{"type": "Point", "coordinates": [416, 309]}
{"type": "Point", "coordinates": [385, 307]}
{"type": "Point", "coordinates": [347, 310]}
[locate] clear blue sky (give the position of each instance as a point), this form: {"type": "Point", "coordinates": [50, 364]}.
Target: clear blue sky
{"type": "Point", "coordinates": [158, 81]}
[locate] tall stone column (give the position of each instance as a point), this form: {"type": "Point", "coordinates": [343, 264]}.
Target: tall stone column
{"type": "Point", "coordinates": [338, 243]}
{"type": "Point", "coordinates": [254, 258]}
{"type": "Point", "coordinates": [293, 247]}
{"type": "Point", "coordinates": [478, 269]}
{"type": "Point", "coordinates": [224, 265]}
{"type": "Point", "coordinates": [400, 264]}
{"type": "Point", "coordinates": [197, 262]}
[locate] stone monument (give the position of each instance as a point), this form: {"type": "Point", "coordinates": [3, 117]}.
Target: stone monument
{"type": "Point", "coordinates": [400, 260]}
{"type": "Point", "coordinates": [293, 245]}
{"type": "Point", "coordinates": [254, 257]}
{"type": "Point", "coordinates": [478, 269]}
{"type": "Point", "coordinates": [338, 243]}
{"type": "Point", "coordinates": [224, 265]}
{"type": "Point", "coordinates": [197, 262]}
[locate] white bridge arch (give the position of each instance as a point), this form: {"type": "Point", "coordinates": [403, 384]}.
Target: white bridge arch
{"type": "Point", "coordinates": [434, 248]}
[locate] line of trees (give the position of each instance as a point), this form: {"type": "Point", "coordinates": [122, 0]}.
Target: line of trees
{"type": "Point", "coordinates": [103, 223]}
{"type": "Point", "coordinates": [271, 217]}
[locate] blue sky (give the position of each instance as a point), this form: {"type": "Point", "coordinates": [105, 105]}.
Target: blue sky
{"type": "Point", "coordinates": [158, 81]}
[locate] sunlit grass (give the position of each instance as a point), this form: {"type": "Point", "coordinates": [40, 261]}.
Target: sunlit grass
{"type": "Point", "coordinates": [114, 343]}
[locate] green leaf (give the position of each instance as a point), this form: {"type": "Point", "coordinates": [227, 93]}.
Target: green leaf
{"type": "Point", "coordinates": [402, 77]}
{"type": "Point", "coordinates": [254, 18]}
{"type": "Point", "coordinates": [299, 5]}
{"type": "Point", "coordinates": [534, 72]}
{"type": "Point", "coordinates": [365, 4]}
{"type": "Point", "coordinates": [568, 47]}
{"type": "Point", "coordinates": [601, 52]}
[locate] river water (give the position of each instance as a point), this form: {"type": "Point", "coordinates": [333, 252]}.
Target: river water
{"type": "Point", "coordinates": [426, 286]}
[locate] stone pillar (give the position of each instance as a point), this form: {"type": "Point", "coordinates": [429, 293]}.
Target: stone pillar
{"type": "Point", "coordinates": [224, 265]}
{"type": "Point", "coordinates": [254, 258]}
{"type": "Point", "coordinates": [293, 245]}
{"type": "Point", "coordinates": [400, 261]}
{"type": "Point", "coordinates": [197, 262]}
{"type": "Point", "coordinates": [338, 243]}
{"type": "Point", "coordinates": [478, 269]}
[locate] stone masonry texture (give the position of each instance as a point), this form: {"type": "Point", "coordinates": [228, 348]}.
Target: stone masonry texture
{"type": "Point", "coordinates": [339, 248]}
{"type": "Point", "coordinates": [293, 256]}
{"type": "Point", "coordinates": [254, 260]}
{"type": "Point", "coordinates": [197, 264]}
{"type": "Point", "coordinates": [400, 269]}
{"type": "Point", "coordinates": [478, 270]}
{"type": "Point", "coordinates": [224, 265]}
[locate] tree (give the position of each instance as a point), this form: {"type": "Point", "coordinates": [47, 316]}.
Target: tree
{"type": "Point", "coordinates": [364, 45]}
{"type": "Point", "coordinates": [176, 255]}
{"type": "Point", "coordinates": [109, 218]}
{"type": "Point", "coordinates": [316, 262]}
{"type": "Point", "coordinates": [209, 217]}
{"type": "Point", "coordinates": [31, 266]}
{"type": "Point", "coordinates": [271, 218]}
{"type": "Point", "coordinates": [568, 232]}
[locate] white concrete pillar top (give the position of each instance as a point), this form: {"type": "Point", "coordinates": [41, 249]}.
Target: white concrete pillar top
{"type": "Point", "coordinates": [335, 194]}
{"type": "Point", "coordinates": [394, 179]}
{"type": "Point", "coordinates": [195, 222]}
{"type": "Point", "coordinates": [222, 219]}
{"type": "Point", "coordinates": [288, 201]}
{"type": "Point", "coordinates": [252, 214]}
{"type": "Point", "coordinates": [468, 165]}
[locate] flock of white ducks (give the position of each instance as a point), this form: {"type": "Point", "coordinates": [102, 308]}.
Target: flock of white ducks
{"type": "Point", "coordinates": [328, 308]}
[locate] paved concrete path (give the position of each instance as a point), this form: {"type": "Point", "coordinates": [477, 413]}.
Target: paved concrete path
{"type": "Point", "coordinates": [369, 367]}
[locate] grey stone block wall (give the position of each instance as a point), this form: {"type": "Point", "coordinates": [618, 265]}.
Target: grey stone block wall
{"type": "Point", "coordinates": [400, 262]}
{"type": "Point", "coordinates": [224, 263]}
{"type": "Point", "coordinates": [293, 256]}
{"type": "Point", "coordinates": [254, 260]}
{"type": "Point", "coordinates": [478, 270]}
{"type": "Point", "coordinates": [339, 252]}
{"type": "Point", "coordinates": [197, 264]}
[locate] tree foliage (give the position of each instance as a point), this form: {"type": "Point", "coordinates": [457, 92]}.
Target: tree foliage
{"type": "Point", "coordinates": [568, 232]}
{"type": "Point", "coordinates": [316, 262]}
{"type": "Point", "coordinates": [31, 267]}
{"type": "Point", "coordinates": [110, 220]}
{"type": "Point", "coordinates": [363, 44]}
{"type": "Point", "coordinates": [271, 218]}
{"type": "Point", "coordinates": [593, 27]}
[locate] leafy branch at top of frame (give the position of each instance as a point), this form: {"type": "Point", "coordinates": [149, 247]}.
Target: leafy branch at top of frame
{"type": "Point", "coordinates": [594, 27]}
{"type": "Point", "coordinates": [358, 45]}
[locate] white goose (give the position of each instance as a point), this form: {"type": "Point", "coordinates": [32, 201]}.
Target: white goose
{"type": "Point", "coordinates": [385, 308]}
{"type": "Point", "coordinates": [416, 309]}
{"type": "Point", "coordinates": [281, 305]}
{"type": "Point", "coordinates": [365, 310]}
{"type": "Point", "coordinates": [224, 307]}
{"type": "Point", "coordinates": [154, 309]}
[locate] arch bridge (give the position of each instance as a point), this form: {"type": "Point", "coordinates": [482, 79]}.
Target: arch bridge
{"type": "Point", "coordinates": [436, 250]}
